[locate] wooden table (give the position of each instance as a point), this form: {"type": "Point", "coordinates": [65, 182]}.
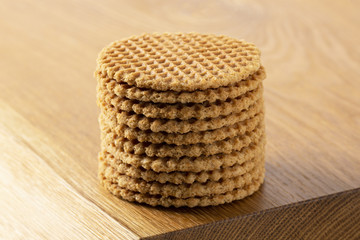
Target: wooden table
{"type": "Point", "coordinates": [49, 135]}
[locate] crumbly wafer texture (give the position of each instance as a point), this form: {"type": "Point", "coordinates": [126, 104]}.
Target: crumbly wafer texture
{"type": "Point", "coordinates": [180, 110]}
{"type": "Point", "coordinates": [213, 200]}
{"type": "Point", "coordinates": [209, 95]}
{"type": "Point", "coordinates": [179, 61]}
{"type": "Point", "coordinates": [177, 151]}
{"type": "Point", "coordinates": [195, 189]}
{"type": "Point", "coordinates": [238, 128]}
{"type": "Point", "coordinates": [121, 168]}
{"type": "Point", "coordinates": [189, 164]}
{"type": "Point", "coordinates": [132, 120]}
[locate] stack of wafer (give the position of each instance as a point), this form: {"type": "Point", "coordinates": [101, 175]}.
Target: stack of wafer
{"type": "Point", "coordinates": [182, 119]}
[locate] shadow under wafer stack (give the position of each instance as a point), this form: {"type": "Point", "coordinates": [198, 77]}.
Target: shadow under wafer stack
{"type": "Point", "coordinates": [182, 119]}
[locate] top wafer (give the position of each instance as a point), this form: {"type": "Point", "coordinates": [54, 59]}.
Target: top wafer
{"type": "Point", "coordinates": [179, 61]}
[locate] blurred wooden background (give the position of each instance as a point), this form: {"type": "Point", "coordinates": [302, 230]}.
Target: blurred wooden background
{"type": "Point", "coordinates": [49, 135]}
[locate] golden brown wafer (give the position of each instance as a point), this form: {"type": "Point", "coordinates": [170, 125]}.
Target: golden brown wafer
{"type": "Point", "coordinates": [210, 136]}
{"type": "Point", "coordinates": [121, 168]}
{"type": "Point", "coordinates": [209, 95]}
{"type": "Point", "coordinates": [180, 110]}
{"type": "Point", "coordinates": [227, 197]}
{"type": "Point", "coordinates": [182, 119]}
{"type": "Point", "coordinates": [195, 189]}
{"type": "Point", "coordinates": [115, 118]}
{"type": "Point", "coordinates": [190, 164]}
{"type": "Point", "coordinates": [179, 61]}
{"type": "Point", "coordinates": [176, 151]}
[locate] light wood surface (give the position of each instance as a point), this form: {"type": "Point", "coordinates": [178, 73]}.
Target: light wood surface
{"type": "Point", "coordinates": [49, 136]}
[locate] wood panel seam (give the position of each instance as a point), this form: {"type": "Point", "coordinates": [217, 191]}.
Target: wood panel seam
{"type": "Point", "coordinates": [263, 212]}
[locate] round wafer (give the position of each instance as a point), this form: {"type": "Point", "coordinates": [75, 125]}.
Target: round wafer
{"type": "Point", "coordinates": [176, 151]}
{"type": "Point", "coordinates": [180, 110]}
{"type": "Point", "coordinates": [209, 95]}
{"type": "Point", "coordinates": [190, 164]}
{"type": "Point", "coordinates": [210, 136]}
{"type": "Point", "coordinates": [177, 177]}
{"type": "Point", "coordinates": [195, 189]}
{"type": "Point", "coordinates": [179, 61]}
{"type": "Point", "coordinates": [132, 120]}
{"type": "Point", "coordinates": [213, 200]}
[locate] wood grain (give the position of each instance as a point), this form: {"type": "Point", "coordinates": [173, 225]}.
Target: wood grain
{"type": "Point", "coordinates": [330, 217]}
{"type": "Point", "coordinates": [49, 135]}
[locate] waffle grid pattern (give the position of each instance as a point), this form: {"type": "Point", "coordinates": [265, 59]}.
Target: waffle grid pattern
{"type": "Point", "coordinates": [182, 119]}
{"type": "Point", "coordinates": [179, 62]}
